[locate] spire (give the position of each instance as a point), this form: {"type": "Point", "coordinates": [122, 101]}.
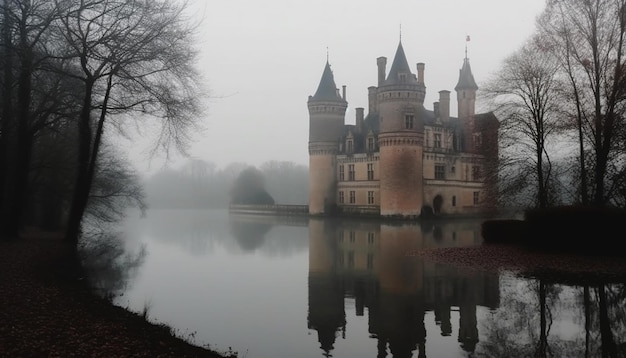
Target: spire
{"type": "Point", "coordinates": [466, 78]}
{"type": "Point", "coordinates": [399, 66]}
{"type": "Point", "coordinates": [327, 89]}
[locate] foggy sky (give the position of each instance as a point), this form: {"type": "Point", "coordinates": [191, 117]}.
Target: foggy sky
{"type": "Point", "coordinates": [262, 59]}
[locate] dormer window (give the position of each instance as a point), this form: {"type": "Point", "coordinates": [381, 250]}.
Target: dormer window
{"type": "Point", "coordinates": [437, 140]}
{"type": "Point", "coordinates": [370, 144]}
{"type": "Point", "coordinates": [349, 146]}
{"type": "Point", "coordinates": [478, 139]}
{"type": "Point", "coordinates": [408, 121]}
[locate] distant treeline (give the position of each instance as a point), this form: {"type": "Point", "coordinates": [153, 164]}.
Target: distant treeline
{"type": "Point", "coordinates": [200, 184]}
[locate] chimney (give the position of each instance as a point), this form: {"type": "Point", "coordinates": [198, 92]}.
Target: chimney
{"type": "Point", "coordinates": [444, 107]}
{"type": "Point", "coordinates": [371, 97]}
{"type": "Point", "coordinates": [359, 119]}
{"type": "Point", "coordinates": [420, 73]}
{"type": "Point", "coordinates": [344, 92]}
{"type": "Point", "coordinates": [382, 64]}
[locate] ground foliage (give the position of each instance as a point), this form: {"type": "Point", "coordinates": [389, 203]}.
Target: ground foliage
{"type": "Point", "coordinates": [48, 310]}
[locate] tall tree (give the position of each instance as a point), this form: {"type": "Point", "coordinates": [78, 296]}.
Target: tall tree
{"type": "Point", "coordinates": [524, 97]}
{"type": "Point", "coordinates": [587, 37]}
{"type": "Point", "coordinates": [137, 61]}
{"type": "Point", "coordinates": [26, 25]}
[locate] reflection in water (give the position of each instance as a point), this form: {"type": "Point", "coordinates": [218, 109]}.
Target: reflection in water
{"type": "Point", "coordinates": [107, 265]}
{"type": "Point", "coordinates": [542, 317]}
{"type": "Point", "coordinates": [249, 282]}
{"type": "Point", "coordinates": [371, 262]}
{"type": "Point", "coordinates": [249, 234]}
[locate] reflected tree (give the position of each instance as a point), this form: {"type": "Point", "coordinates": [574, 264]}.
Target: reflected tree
{"type": "Point", "coordinates": [249, 234]}
{"type": "Point", "coordinates": [107, 265]}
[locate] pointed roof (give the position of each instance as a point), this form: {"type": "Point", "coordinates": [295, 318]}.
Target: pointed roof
{"type": "Point", "coordinates": [327, 89]}
{"type": "Point", "coordinates": [399, 65]}
{"type": "Point", "coordinates": [466, 79]}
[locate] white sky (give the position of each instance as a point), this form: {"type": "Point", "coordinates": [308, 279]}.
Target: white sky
{"type": "Point", "coordinates": [262, 59]}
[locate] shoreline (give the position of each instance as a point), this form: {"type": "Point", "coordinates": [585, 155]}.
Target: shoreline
{"type": "Point", "coordinates": [46, 311]}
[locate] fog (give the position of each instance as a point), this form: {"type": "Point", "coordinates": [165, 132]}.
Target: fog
{"type": "Point", "coordinates": [261, 60]}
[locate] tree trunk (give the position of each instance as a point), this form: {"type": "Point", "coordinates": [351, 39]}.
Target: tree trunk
{"type": "Point", "coordinates": [81, 184]}
{"type": "Point", "coordinates": [88, 158]}
{"type": "Point", "coordinates": [23, 145]}
{"type": "Point", "coordinates": [8, 136]}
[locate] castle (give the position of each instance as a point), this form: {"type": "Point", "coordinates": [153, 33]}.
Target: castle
{"type": "Point", "coordinates": [401, 160]}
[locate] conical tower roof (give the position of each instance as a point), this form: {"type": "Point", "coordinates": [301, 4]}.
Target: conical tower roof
{"type": "Point", "coordinates": [327, 89]}
{"type": "Point", "coordinates": [399, 66]}
{"type": "Point", "coordinates": [466, 78]}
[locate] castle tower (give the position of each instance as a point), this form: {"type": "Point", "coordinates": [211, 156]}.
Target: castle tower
{"type": "Point", "coordinates": [466, 91]}
{"type": "Point", "coordinates": [327, 111]}
{"type": "Point", "coordinates": [400, 101]}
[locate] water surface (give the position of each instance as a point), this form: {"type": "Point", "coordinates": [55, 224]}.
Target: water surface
{"type": "Point", "coordinates": [291, 287]}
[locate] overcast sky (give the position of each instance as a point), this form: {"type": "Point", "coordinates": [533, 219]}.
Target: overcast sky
{"type": "Point", "coordinates": [262, 59]}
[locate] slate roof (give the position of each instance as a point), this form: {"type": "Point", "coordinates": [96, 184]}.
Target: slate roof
{"type": "Point", "coordinates": [327, 89]}
{"type": "Point", "coordinates": [466, 78]}
{"type": "Point", "coordinates": [400, 65]}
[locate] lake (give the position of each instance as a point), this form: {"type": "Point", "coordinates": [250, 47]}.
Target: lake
{"type": "Point", "coordinates": [269, 287]}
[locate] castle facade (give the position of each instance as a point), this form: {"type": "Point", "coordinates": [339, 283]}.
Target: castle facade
{"type": "Point", "coordinates": [400, 159]}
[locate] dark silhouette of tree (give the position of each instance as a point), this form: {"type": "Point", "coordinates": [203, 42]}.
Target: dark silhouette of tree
{"type": "Point", "coordinates": [136, 61]}
{"type": "Point", "coordinates": [587, 38]}
{"type": "Point", "coordinates": [525, 99]}
{"type": "Point", "coordinates": [249, 188]}
{"type": "Point", "coordinates": [27, 109]}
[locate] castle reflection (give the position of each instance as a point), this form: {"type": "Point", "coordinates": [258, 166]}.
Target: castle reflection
{"type": "Point", "coordinates": [371, 262]}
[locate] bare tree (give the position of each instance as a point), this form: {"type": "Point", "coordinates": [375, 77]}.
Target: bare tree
{"type": "Point", "coordinates": [137, 61]}
{"type": "Point", "coordinates": [524, 97]}
{"type": "Point", "coordinates": [27, 109]}
{"type": "Point", "coordinates": [587, 37]}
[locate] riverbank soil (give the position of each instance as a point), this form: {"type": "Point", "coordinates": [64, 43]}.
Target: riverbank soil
{"type": "Point", "coordinates": [46, 310]}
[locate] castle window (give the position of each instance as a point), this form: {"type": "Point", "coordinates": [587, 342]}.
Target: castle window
{"type": "Point", "coordinates": [477, 141]}
{"type": "Point", "coordinates": [352, 237]}
{"type": "Point", "coordinates": [476, 175]}
{"type": "Point", "coordinates": [351, 172]}
{"type": "Point", "coordinates": [437, 140]}
{"type": "Point", "coordinates": [370, 144]}
{"type": "Point", "coordinates": [341, 199]}
{"type": "Point", "coordinates": [452, 169]}
{"type": "Point", "coordinates": [440, 171]}
{"type": "Point", "coordinates": [476, 197]}
{"type": "Point", "coordinates": [341, 174]}
{"type": "Point", "coordinates": [349, 146]}
{"type": "Point", "coordinates": [370, 197]}
{"type": "Point", "coordinates": [370, 171]}
{"type": "Point", "coordinates": [454, 200]}
{"type": "Point", "coordinates": [352, 197]}
{"type": "Point", "coordinates": [370, 238]}
{"type": "Point", "coordinates": [408, 121]}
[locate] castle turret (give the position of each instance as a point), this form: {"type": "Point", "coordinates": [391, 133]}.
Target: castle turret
{"type": "Point", "coordinates": [466, 91]}
{"type": "Point", "coordinates": [327, 111]}
{"type": "Point", "coordinates": [400, 101]}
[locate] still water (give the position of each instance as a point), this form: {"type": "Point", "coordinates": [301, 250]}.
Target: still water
{"type": "Point", "coordinates": [268, 288]}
